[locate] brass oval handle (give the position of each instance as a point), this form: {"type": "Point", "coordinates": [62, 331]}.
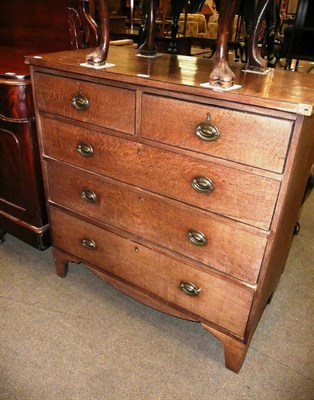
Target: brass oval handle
{"type": "Point", "coordinates": [197, 238]}
{"type": "Point", "coordinates": [202, 184]}
{"type": "Point", "coordinates": [89, 196]}
{"type": "Point", "coordinates": [85, 150]}
{"type": "Point", "coordinates": [80, 102]}
{"type": "Point", "coordinates": [90, 244]}
{"type": "Point", "coordinates": [189, 288]}
{"type": "Point", "coordinates": [206, 131]}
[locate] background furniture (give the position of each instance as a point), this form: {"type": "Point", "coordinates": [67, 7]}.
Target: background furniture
{"type": "Point", "coordinates": [30, 27]}
{"type": "Point", "coordinates": [192, 24]}
{"type": "Point", "coordinates": [300, 36]}
{"type": "Point", "coordinates": [182, 197]}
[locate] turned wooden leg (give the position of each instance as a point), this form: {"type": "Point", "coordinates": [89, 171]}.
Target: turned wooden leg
{"type": "Point", "coordinates": [221, 74]}
{"type": "Point", "coordinates": [235, 351]}
{"type": "Point", "coordinates": [99, 56]}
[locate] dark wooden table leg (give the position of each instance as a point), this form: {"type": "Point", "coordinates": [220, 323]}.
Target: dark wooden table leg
{"type": "Point", "coordinates": [99, 56]}
{"type": "Point", "coordinates": [148, 48]}
{"type": "Point", "coordinates": [176, 8]}
{"type": "Point", "coordinates": [255, 61]}
{"type": "Point", "coordinates": [221, 74]}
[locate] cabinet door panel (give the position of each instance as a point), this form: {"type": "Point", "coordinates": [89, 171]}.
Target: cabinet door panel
{"type": "Point", "coordinates": [21, 192]}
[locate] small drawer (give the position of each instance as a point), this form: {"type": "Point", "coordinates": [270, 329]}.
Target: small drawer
{"type": "Point", "coordinates": [198, 235]}
{"type": "Point", "coordinates": [238, 195]}
{"type": "Point", "coordinates": [207, 296]}
{"type": "Point", "coordinates": [256, 140]}
{"type": "Point", "coordinates": [107, 106]}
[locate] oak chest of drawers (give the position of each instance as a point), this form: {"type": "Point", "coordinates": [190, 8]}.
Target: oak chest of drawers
{"type": "Point", "coordinates": [181, 197]}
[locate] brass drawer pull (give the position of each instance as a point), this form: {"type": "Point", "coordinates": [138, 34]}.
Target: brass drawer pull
{"type": "Point", "coordinates": [85, 149]}
{"type": "Point", "coordinates": [89, 196]}
{"type": "Point", "coordinates": [89, 244]}
{"type": "Point", "coordinates": [202, 184]}
{"type": "Point", "coordinates": [197, 238]}
{"type": "Point", "coordinates": [206, 131]}
{"type": "Point", "coordinates": [80, 102]}
{"type": "Point", "coordinates": [189, 288]}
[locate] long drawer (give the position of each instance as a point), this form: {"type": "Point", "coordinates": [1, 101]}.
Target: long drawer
{"type": "Point", "coordinates": [199, 235]}
{"type": "Point", "coordinates": [236, 194]}
{"type": "Point", "coordinates": [107, 106]}
{"type": "Point", "coordinates": [218, 300]}
{"type": "Point", "coordinates": [257, 140]}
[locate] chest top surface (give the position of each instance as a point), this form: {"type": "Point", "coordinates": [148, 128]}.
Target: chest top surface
{"type": "Point", "coordinates": [279, 90]}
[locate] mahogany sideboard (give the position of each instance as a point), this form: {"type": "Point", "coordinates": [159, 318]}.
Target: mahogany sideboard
{"type": "Point", "coordinates": [28, 27]}
{"type": "Point", "coordinates": [182, 197]}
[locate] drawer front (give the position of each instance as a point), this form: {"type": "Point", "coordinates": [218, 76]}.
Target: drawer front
{"type": "Point", "coordinates": [196, 234]}
{"type": "Point", "coordinates": [107, 106]}
{"type": "Point", "coordinates": [222, 302]}
{"type": "Point", "coordinates": [242, 196]}
{"type": "Point", "coordinates": [247, 138]}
